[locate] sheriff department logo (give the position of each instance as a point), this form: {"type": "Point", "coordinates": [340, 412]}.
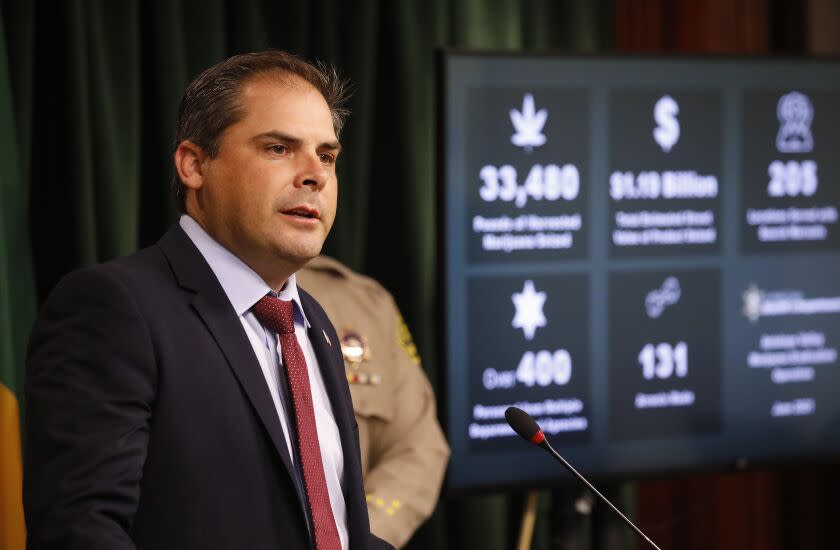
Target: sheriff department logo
{"type": "Point", "coordinates": [406, 342]}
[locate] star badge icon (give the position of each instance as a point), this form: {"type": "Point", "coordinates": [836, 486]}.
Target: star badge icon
{"type": "Point", "coordinates": [529, 309]}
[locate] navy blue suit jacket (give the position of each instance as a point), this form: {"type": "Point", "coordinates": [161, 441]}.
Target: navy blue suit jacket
{"type": "Point", "coordinates": [149, 423]}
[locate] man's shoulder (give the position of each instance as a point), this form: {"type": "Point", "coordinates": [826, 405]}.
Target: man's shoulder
{"type": "Point", "coordinates": [137, 268]}
{"type": "Point", "coordinates": [140, 273]}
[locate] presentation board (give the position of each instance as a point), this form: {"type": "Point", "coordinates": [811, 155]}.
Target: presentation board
{"type": "Point", "coordinates": [644, 254]}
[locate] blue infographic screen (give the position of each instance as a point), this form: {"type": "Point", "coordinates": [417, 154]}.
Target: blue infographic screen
{"type": "Point", "coordinates": [644, 254]}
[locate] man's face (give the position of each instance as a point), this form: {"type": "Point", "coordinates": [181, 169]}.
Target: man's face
{"type": "Point", "coordinates": [270, 194]}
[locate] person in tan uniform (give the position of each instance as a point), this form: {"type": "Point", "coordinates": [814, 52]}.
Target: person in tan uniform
{"type": "Point", "coordinates": [404, 452]}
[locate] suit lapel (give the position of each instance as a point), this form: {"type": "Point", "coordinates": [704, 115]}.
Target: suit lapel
{"type": "Point", "coordinates": [231, 338]}
{"type": "Point", "coordinates": [324, 341]}
{"type": "Point", "coordinates": [213, 307]}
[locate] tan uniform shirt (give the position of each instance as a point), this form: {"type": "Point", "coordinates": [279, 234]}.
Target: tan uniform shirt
{"type": "Point", "coordinates": [404, 452]}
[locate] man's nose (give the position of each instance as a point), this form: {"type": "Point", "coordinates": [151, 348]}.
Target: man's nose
{"type": "Point", "coordinates": [311, 171]}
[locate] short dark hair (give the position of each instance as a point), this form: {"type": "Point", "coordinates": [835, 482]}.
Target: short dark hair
{"type": "Point", "coordinates": [211, 101]}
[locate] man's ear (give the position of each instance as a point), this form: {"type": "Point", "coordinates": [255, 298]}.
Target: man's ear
{"type": "Point", "coordinates": [189, 162]}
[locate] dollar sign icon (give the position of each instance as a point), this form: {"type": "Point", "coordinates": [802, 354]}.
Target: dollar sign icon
{"type": "Point", "coordinates": [667, 131]}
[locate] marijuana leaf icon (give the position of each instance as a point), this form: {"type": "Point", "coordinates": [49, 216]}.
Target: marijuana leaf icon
{"type": "Point", "coordinates": [528, 124]}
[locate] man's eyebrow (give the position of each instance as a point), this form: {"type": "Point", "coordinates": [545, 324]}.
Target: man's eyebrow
{"type": "Point", "coordinates": [332, 145]}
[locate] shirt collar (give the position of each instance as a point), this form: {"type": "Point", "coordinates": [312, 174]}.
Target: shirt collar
{"type": "Point", "coordinates": [241, 284]}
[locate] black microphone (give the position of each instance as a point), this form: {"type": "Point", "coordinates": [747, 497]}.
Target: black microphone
{"type": "Point", "coordinates": [528, 429]}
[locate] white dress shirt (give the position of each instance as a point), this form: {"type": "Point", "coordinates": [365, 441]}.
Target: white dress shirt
{"type": "Point", "coordinates": [244, 288]}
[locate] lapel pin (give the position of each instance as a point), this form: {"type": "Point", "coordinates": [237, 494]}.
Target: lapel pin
{"type": "Point", "coordinates": [327, 338]}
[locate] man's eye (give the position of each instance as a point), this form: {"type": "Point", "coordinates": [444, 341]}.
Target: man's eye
{"type": "Point", "coordinates": [278, 149]}
{"type": "Point", "coordinates": [327, 158]}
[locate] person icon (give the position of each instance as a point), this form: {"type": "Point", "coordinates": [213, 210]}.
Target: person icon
{"type": "Point", "coordinates": [795, 113]}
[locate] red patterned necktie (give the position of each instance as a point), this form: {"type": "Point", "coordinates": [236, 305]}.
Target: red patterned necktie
{"type": "Point", "coordinates": [278, 315]}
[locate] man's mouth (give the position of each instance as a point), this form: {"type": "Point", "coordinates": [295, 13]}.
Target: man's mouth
{"type": "Point", "coordinates": [303, 212]}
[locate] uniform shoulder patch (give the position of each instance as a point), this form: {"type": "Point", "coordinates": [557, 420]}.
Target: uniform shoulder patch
{"type": "Point", "coordinates": [405, 341]}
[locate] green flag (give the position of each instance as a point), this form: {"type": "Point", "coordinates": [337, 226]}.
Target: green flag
{"type": "Point", "coordinates": [17, 307]}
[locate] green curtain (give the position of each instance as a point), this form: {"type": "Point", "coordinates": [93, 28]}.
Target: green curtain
{"type": "Point", "coordinates": [96, 83]}
{"type": "Point", "coordinates": [17, 290]}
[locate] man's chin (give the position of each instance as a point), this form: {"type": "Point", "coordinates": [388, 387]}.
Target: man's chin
{"type": "Point", "coordinates": [300, 255]}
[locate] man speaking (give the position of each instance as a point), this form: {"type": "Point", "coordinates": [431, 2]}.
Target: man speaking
{"type": "Point", "coordinates": [191, 395]}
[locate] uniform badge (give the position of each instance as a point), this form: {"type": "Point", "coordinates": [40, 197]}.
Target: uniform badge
{"type": "Point", "coordinates": [354, 348]}
{"type": "Point", "coordinates": [356, 352]}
